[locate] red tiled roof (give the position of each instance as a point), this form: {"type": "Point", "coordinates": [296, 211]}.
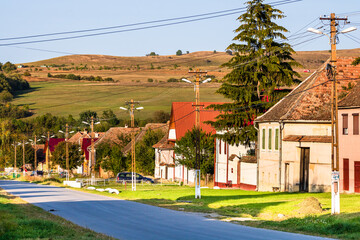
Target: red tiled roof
{"type": "Point", "coordinates": [52, 143]}
{"type": "Point", "coordinates": [310, 100]}
{"type": "Point", "coordinates": [112, 135]}
{"type": "Point", "coordinates": [182, 117]}
{"type": "Point", "coordinates": [164, 144]}
{"type": "Point", "coordinates": [352, 100]}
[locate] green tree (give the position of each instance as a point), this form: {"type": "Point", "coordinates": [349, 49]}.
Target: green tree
{"type": "Point", "coordinates": [110, 117]}
{"type": "Point", "coordinates": [111, 158]}
{"type": "Point", "coordinates": [5, 97]}
{"type": "Point", "coordinates": [186, 147]}
{"type": "Point", "coordinates": [356, 61]}
{"type": "Point", "coordinates": [259, 65]}
{"type": "Point", "coordinates": [178, 52]}
{"type": "Point", "coordinates": [161, 116]}
{"type": "Point", "coordinates": [86, 116]}
{"type": "Point", "coordinates": [145, 154]}
{"type": "Point", "coordinates": [8, 67]}
{"type": "Point", "coordinates": [75, 156]}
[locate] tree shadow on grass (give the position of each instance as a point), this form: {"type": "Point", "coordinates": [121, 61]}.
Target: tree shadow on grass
{"type": "Point", "coordinates": [21, 93]}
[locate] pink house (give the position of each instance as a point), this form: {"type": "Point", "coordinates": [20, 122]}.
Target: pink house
{"type": "Point", "coordinates": [349, 141]}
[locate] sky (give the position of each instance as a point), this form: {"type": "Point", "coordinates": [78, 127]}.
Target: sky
{"type": "Point", "coordinates": [23, 18]}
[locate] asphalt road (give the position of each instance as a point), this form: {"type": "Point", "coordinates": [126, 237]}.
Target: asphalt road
{"type": "Point", "coordinates": [130, 220]}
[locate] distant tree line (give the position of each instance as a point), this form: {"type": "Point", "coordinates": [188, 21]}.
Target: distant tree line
{"type": "Point", "coordinates": [78, 77]}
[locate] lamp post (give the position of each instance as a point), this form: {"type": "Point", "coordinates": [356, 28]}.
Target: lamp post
{"type": "Point", "coordinates": [15, 144]}
{"type": "Point", "coordinates": [35, 154]}
{"type": "Point", "coordinates": [67, 150]}
{"type": "Point", "coordinates": [48, 151]}
{"type": "Point", "coordinates": [131, 108]}
{"type": "Point", "coordinates": [331, 70]}
{"type": "Point", "coordinates": [197, 126]}
{"type": "Point", "coordinates": [92, 160]}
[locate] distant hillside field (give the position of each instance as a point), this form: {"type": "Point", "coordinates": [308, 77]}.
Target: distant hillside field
{"type": "Point", "coordinates": [153, 80]}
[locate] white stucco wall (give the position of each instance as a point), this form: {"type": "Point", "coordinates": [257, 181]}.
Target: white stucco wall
{"type": "Point", "coordinates": [319, 159]}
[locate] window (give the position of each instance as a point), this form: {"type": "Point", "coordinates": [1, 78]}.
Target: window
{"type": "Point", "coordinates": [270, 138]}
{"type": "Point", "coordinates": [225, 148]}
{"type": "Point", "coordinates": [345, 124]}
{"type": "Point", "coordinates": [220, 146]}
{"type": "Point", "coordinates": [346, 174]}
{"type": "Point", "coordinates": [263, 139]}
{"type": "Point", "coordinates": [277, 139]}
{"type": "Point", "coordinates": [356, 124]}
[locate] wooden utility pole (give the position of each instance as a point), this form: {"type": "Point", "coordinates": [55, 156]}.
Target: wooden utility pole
{"type": "Point", "coordinates": [35, 162]}
{"type": "Point", "coordinates": [331, 73]}
{"type": "Point", "coordinates": [48, 154]}
{"type": "Point", "coordinates": [92, 160]}
{"type": "Point", "coordinates": [15, 143]}
{"type": "Point", "coordinates": [198, 74]}
{"type": "Point", "coordinates": [67, 151]}
{"type": "Point", "coordinates": [131, 108]}
{"type": "Point", "coordinates": [23, 143]}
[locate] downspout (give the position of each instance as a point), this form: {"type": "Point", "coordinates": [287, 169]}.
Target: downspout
{"type": "Point", "coordinates": [257, 153]}
{"type": "Point", "coordinates": [215, 166]}
{"type": "Point", "coordinates": [281, 127]}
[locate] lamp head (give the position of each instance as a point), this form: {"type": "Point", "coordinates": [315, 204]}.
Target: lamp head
{"type": "Point", "coordinates": [185, 80]}
{"type": "Point", "coordinates": [347, 30]}
{"type": "Point", "coordinates": [313, 30]}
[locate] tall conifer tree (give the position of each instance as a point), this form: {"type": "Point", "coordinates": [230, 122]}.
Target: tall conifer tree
{"type": "Point", "coordinates": [260, 64]}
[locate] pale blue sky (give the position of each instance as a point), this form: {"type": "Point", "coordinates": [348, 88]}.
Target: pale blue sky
{"type": "Point", "coordinates": [24, 17]}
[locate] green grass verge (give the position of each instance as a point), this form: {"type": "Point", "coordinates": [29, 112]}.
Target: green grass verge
{"type": "Point", "coordinates": [20, 220]}
{"type": "Point", "coordinates": [62, 97]}
{"type": "Point", "coordinates": [262, 207]}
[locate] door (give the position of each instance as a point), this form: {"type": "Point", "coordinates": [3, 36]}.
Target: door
{"type": "Point", "coordinates": [357, 177]}
{"type": "Point", "coordinates": [304, 169]}
{"type": "Point", "coordinates": [346, 174]}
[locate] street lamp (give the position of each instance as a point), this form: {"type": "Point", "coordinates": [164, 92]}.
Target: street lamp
{"type": "Point", "coordinates": [67, 150]}
{"type": "Point", "coordinates": [92, 162]}
{"type": "Point", "coordinates": [48, 151]}
{"type": "Point", "coordinates": [197, 125]}
{"type": "Point", "coordinates": [331, 68]}
{"type": "Point", "coordinates": [35, 153]}
{"type": "Point", "coordinates": [131, 108]}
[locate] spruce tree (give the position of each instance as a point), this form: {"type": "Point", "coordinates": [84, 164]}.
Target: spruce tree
{"type": "Point", "coordinates": [261, 63]}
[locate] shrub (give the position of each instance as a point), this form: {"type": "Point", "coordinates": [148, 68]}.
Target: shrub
{"type": "Point", "coordinates": [150, 80]}
{"type": "Point", "coordinates": [178, 52]}
{"type": "Point", "coordinates": [172, 80]}
{"type": "Point", "coordinates": [27, 74]}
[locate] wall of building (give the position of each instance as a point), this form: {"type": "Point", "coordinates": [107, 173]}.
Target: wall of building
{"type": "Point", "coordinates": [348, 147]}
{"type": "Point", "coordinates": [248, 173]}
{"type": "Point", "coordinates": [269, 157]}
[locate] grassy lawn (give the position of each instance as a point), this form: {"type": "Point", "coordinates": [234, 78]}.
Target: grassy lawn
{"type": "Point", "coordinates": [20, 220]}
{"type": "Point", "coordinates": [64, 97]}
{"type": "Point", "coordinates": [280, 211]}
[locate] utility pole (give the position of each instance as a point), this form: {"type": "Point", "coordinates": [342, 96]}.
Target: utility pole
{"type": "Point", "coordinates": [35, 162]}
{"type": "Point", "coordinates": [23, 143]}
{"type": "Point", "coordinates": [131, 108]}
{"type": "Point", "coordinates": [92, 160]}
{"type": "Point", "coordinates": [67, 152]}
{"type": "Point", "coordinates": [48, 155]}
{"type": "Point", "coordinates": [15, 143]}
{"type": "Point", "coordinates": [335, 194]}
{"type": "Point", "coordinates": [198, 73]}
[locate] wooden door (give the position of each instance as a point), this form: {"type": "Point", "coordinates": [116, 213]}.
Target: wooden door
{"type": "Point", "coordinates": [346, 174]}
{"type": "Point", "coordinates": [357, 177]}
{"type": "Point", "coordinates": [304, 169]}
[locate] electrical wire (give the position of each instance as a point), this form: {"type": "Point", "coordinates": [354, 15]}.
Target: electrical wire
{"type": "Point", "coordinates": [139, 28]}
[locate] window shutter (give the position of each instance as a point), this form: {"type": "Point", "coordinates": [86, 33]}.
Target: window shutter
{"type": "Point", "coordinates": [277, 139]}
{"type": "Point", "coordinates": [356, 124]}
{"type": "Point", "coordinates": [263, 138]}
{"type": "Point", "coordinates": [345, 124]}
{"type": "Point", "coordinates": [270, 138]}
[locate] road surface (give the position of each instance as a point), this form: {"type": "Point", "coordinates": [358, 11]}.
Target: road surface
{"type": "Point", "coordinates": [130, 220]}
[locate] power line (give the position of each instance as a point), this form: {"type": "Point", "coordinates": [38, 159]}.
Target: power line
{"type": "Point", "coordinates": [140, 28]}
